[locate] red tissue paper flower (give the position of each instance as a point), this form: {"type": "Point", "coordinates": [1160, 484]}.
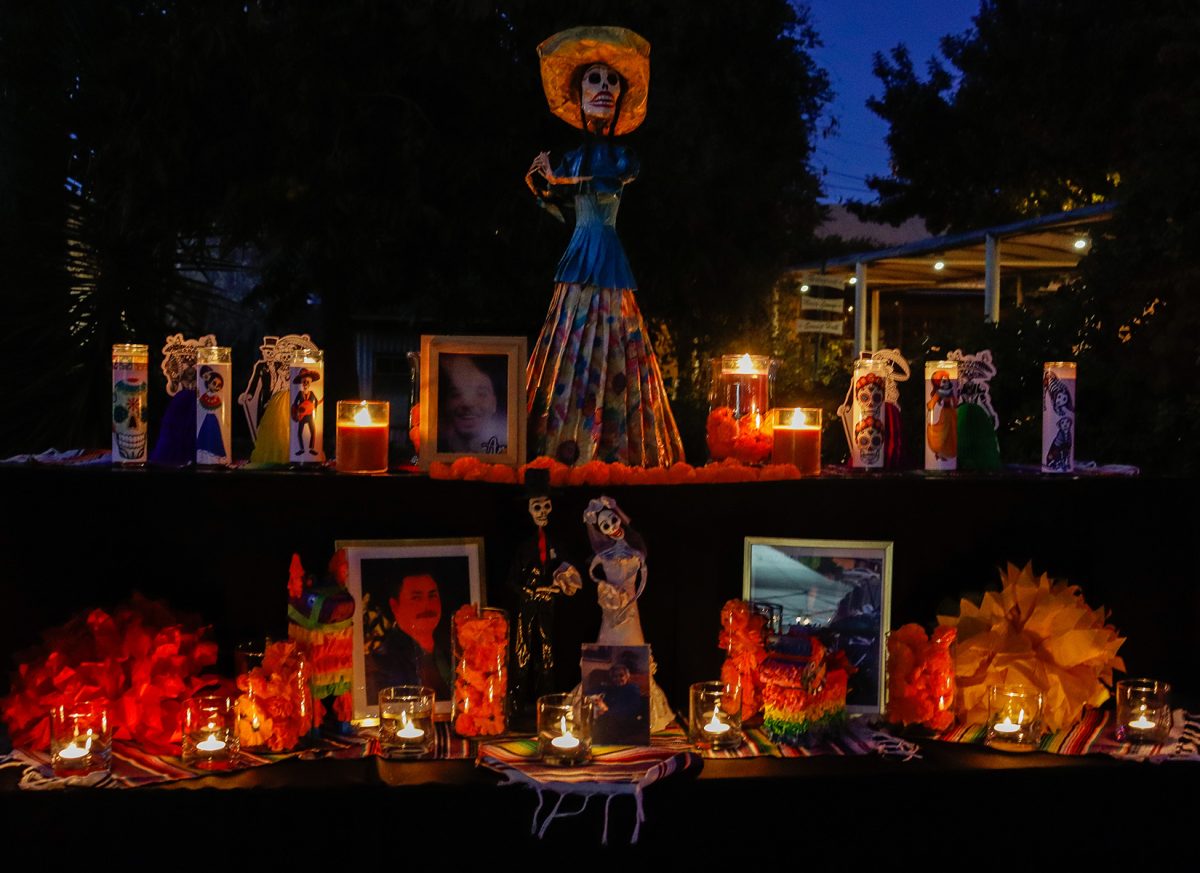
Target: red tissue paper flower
{"type": "Point", "coordinates": [144, 659]}
{"type": "Point", "coordinates": [921, 685]}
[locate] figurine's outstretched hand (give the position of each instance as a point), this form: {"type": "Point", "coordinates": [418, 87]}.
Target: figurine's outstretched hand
{"type": "Point", "coordinates": [567, 579]}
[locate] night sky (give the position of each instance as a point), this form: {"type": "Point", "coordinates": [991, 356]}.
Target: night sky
{"type": "Point", "coordinates": [852, 31]}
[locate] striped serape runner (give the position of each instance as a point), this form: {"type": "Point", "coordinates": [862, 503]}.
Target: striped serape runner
{"type": "Point", "coordinates": [133, 767]}
{"type": "Point", "coordinates": [1093, 735]}
{"type": "Point", "coordinates": [613, 771]}
{"type": "Point", "coordinates": [859, 738]}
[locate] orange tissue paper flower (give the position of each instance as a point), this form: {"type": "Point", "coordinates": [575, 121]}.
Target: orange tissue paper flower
{"type": "Point", "coordinates": [1037, 632]}
{"type": "Point", "coordinates": [921, 686]}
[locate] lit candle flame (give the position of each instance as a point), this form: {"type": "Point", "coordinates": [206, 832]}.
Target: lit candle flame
{"type": "Point", "coordinates": [745, 365]}
{"type": "Point", "coordinates": [362, 418]}
{"type": "Point", "coordinates": [73, 751]}
{"type": "Point", "coordinates": [409, 731]}
{"type": "Point", "coordinates": [716, 726]}
{"type": "Point", "coordinates": [566, 741]}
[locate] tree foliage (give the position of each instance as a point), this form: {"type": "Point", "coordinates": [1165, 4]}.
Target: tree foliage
{"type": "Point", "coordinates": [1051, 105]}
{"type": "Point", "coordinates": [371, 155]}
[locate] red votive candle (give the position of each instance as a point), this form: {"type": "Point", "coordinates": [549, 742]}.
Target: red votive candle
{"type": "Point", "coordinates": [796, 439]}
{"type": "Point", "coordinates": [362, 436]}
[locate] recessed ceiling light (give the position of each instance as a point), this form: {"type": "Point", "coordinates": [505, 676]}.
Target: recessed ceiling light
{"type": "Point", "coordinates": [1081, 243]}
{"type": "Point", "coordinates": [939, 265]}
{"type": "Point", "coordinates": [803, 289]}
{"type": "Point", "coordinates": [853, 280]}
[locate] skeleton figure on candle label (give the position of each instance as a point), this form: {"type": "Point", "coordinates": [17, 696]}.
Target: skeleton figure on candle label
{"type": "Point", "coordinates": [1058, 411]}
{"type": "Point", "coordinates": [539, 575]}
{"type": "Point", "coordinates": [619, 571]}
{"type": "Point", "coordinates": [176, 443]}
{"type": "Point", "coordinates": [269, 379]}
{"type": "Point", "coordinates": [978, 448]}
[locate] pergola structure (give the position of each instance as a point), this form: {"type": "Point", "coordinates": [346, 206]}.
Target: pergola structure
{"type": "Point", "coordinates": [965, 261]}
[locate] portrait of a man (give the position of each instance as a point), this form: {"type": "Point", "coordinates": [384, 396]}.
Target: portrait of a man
{"type": "Point", "coordinates": [472, 403]}
{"type": "Point", "coordinates": [408, 592]}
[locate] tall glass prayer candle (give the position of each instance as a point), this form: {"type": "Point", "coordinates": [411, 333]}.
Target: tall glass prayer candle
{"type": "Point", "coordinates": [738, 399]}
{"type": "Point", "coordinates": [80, 738]}
{"type": "Point", "coordinates": [130, 380]}
{"type": "Point", "coordinates": [941, 415]}
{"type": "Point", "coordinates": [214, 376]}
{"type": "Point", "coordinates": [306, 382]}
{"type": "Point", "coordinates": [796, 439]}
{"type": "Point", "coordinates": [362, 436]}
{"type": "Point", "coordinates": [1058, 416]}
{"type": "Point", "coordinates": [868, 427]}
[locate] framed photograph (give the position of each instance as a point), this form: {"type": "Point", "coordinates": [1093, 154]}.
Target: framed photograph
{"type": "Point", "coordinates": [617, 678]}
{"type": "Point", "coordinates": [406, 593]}
{"type": "Point", "coordinates": [842, 588]}
{"type": "Point", "coordinates": [473, 399]}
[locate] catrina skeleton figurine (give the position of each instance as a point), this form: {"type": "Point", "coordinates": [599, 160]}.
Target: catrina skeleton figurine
{"type": "Point", "coordinates": [619, 571]}
{"type": "Point", "coordinates": [594, 386]}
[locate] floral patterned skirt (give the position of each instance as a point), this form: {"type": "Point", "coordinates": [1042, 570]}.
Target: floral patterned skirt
{"type": "Point", "coordinates": [594, 387]}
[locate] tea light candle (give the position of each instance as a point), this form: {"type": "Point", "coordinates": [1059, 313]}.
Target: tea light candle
{"type": "Point", "coordinates": [80, 740]}
{"type": "Point", "coordinates": [210, 740]}
{"type": "Point", "coordinates": [1143, 711]}
{"type": "Point", "coordinates": [796, 439]}
{"type": "Point", "coordinates": [566, 741]}
{"type": "Point", "coordinates": [406, 721]}
{"type": "Point", "coordinates": [362, 436]}
{"type": "Point", "coordinates": [564, 728]}
{"type": "Point", "coordinates": [716, 726]}
{"type": "Point", "coordinates": [715, 715]}
{"type": "Point", "coordinates": [1014, 717]}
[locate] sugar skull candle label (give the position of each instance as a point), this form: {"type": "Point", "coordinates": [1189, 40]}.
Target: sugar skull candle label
{"type": "Point", "coordinates": [1058, 417]}
{"type": "Point", "coordinates": [213, 374]}
{"type": "Point", "coordinates": [941, 415]}
{"type": "Point", "coordinates": [130, 378]}
{"type": "Point", "coordinates": [307, 418]}
{"type": "Point", "coordinates": [867, 414]}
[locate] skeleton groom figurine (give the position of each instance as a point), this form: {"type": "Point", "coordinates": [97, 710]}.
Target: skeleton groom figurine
{"type": "Point", "coordinates": [619, 571]}
{"type": "Point", "coordinates": [539, 574]}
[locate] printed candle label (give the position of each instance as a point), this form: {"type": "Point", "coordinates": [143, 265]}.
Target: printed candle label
{"type": "Point", "coordinates": [130, 378]}
{"type": "Point", "coordinates": [307, 387]}
{"type": "Point", "coordinates": [1058, 417]}
{"type": "Point", "coordinates": [941, 415]}
{"type": "Point", "coordinates": [212, 409]}
{"type": "Point", "coordinates": [867, 415]}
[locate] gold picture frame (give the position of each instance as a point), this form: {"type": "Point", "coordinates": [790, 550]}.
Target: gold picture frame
{"type": "Point", "coordinates": [464, 381]}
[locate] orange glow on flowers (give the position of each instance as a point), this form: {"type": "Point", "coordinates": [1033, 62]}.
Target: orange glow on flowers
{"type": "Point", "coordinates": [480, 674]}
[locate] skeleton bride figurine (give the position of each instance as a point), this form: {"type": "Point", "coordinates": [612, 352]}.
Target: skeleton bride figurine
{"type": "Point", "coordinates": [619, 571]}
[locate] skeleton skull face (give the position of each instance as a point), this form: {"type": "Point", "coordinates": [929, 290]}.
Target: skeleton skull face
{"type": "Point", "coordinates": [868, 439]}
{"type": "Point", "coordinates": [610, 524]}
{"type": "Point", "coordinates": [599, 91]}
{"type": "Point", "coordinates": [869, 395]}
{"type": "Point", "coordinates": [129, 422]}
{"type": "Point", "coordinates": [539, 510]}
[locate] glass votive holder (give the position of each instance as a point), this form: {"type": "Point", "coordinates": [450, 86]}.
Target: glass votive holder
{"type": "Point", "coordinates": [80, 738]}
{"type": "Point", "coordinates": [1143, 711]}
{"type": "Point", "coordinates": [362, 436]}
{"type": "Point", "coordinates": [796, 438]}
{"type": "Point", "coordinates": [715, 715]}
{"type": "Point", "coordinates": [210, 740]}
{"type": "Point", "coordinates": [1014, 717]}
{"type": "Point", "coordinates": [406, 721]}
{"type": "Point", "coordinates": [564, 724]}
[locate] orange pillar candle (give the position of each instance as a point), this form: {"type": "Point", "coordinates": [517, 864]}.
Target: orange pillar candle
{"type": "Point", "coordinates": [362, 436]}
{"type": "Point", "coordinates": [796, 439]}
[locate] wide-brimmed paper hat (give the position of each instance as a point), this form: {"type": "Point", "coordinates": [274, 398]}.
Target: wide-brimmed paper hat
{"type": "Point", "coordinates": [306, 374]}
{"type": "Point", "coordinates": [623, 50]}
